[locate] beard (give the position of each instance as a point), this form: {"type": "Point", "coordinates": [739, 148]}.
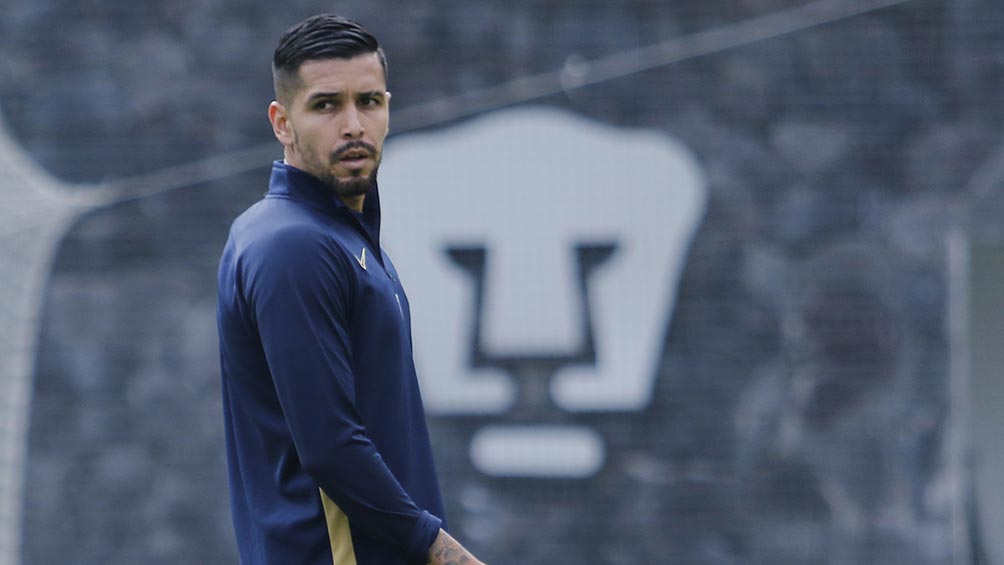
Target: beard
{"type": "Point", "coordinates": [358, 185]}
{"type": "Point", "coordinates": [355, 186]}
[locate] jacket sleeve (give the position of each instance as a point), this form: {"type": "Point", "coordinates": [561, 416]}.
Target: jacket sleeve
{"type": "Point", "coordinates": [299, 290]}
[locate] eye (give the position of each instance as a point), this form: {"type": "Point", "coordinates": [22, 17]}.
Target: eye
{"type": "Point", "coordinates": [369, 101]}
{"type": "Point", "coordinates": [324, 105]}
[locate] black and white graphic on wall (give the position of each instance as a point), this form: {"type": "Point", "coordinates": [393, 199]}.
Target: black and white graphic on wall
{"type": "Point", "coordinates": [537, 238]}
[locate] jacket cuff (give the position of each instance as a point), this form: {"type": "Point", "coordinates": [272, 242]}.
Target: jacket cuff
{"type": "Point", "coordinates": [422, 535]}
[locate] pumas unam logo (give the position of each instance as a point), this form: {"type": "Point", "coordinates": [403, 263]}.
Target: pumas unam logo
{"type": "Point", "coordinates": [537, 238]}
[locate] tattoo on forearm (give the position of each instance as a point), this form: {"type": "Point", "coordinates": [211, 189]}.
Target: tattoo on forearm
{"type": "Point", "coordinates": [447, 551]}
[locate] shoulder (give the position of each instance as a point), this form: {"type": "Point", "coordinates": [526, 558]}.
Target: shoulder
{"type": "Point", "coordinates": [284, 237]}
{"type": "Point", "coordinates": [276, 227]}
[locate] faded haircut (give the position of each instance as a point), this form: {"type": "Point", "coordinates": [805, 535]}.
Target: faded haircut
{"type": "Point", "coordinates": [324, 36]}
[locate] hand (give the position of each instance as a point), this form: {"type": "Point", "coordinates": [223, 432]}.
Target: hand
{"type": "Point", "coordinates": [447, 551]}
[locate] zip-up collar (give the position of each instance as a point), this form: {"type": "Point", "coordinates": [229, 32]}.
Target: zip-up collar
{"type": "Point", "coordinates": [289, 182]}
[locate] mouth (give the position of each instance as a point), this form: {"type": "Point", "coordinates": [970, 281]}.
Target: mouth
{"type": "Point", "coordinates": [354, 157]}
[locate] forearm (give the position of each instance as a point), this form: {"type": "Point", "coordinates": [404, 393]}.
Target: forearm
{"type": "Point", "coordinates": [448, 551]}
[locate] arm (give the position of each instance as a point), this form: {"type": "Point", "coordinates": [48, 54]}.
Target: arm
{"type": "Point", "coordinates": [300, 290]}
{"type": "Point", "coordinates": [447, 551]}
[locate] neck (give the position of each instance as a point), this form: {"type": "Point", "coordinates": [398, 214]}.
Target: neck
{"type": "Point", "coordinates": [355, 203]}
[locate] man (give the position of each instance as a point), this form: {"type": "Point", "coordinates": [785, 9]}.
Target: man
{"type": "Point", "coordinates": [328, 452]}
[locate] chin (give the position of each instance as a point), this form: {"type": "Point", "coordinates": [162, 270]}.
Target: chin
{"type": "Point", "coordinates": [353, 186]}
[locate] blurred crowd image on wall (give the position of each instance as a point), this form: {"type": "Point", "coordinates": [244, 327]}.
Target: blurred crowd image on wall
{"type": "Point", "coordinates": [692, 283]}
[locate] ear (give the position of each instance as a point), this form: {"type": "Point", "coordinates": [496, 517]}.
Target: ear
{"type": "Point", "coordinates": [279, 118]}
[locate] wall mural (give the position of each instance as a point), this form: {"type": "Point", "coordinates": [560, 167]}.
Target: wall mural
{"type": "Point", "coordinates": [534, 235]}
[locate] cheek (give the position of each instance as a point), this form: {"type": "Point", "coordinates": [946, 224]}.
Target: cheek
{"type": "Point", "coordinates": [379, 139]}
{"type": "Point", "coordinates": [308, 139]}
{"type": "Point", "coordinates": [379, 125]}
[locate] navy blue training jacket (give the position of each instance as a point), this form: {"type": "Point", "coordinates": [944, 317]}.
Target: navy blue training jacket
{"type": "Point", "coordinates": [327, 446]}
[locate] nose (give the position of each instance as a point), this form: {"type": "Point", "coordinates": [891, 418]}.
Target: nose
{"type": "Point", "coordinates": [352, 128]}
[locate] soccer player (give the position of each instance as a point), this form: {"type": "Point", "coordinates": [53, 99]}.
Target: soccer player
{"type": "Point", "coordinates": [327, 447]}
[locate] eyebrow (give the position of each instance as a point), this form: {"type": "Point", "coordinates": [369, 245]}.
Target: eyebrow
{"type": "Point", "coordinates": [338, 94]}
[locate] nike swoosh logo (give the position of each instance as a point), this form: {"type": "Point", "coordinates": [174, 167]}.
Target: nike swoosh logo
{"type": "Point", "coordinates": [362, 259]}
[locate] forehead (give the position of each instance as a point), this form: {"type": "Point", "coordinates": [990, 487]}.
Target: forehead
{"type": "Point", "coordinates": [362, 73]}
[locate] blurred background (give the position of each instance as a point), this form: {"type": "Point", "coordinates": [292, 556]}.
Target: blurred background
{"type": "Point", "coordinates": [708, 282]}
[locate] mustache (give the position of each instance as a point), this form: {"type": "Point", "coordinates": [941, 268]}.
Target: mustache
{"type": "Point", "coordinates": [341, 151]}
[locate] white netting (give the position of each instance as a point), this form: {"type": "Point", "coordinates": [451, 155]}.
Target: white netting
{"type": "Point", "coordinates": [34, 213]}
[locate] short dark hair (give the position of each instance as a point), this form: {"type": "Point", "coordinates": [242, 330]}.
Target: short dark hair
{"type": "Point", "coordinates": [324, 36]}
